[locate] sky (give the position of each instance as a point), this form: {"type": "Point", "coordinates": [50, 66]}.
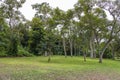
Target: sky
{"type": "Point", "coordinates": [28, 12]}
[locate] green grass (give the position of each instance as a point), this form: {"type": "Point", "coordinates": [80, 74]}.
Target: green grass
{"type": "Point", "coordinates": [60, 68]}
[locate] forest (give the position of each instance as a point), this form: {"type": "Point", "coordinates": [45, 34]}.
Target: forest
{"type": "Point", "coordinates": [85, 30]}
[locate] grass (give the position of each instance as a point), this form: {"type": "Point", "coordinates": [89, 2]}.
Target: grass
{"type": "Point", "coordinates": [60, 68]}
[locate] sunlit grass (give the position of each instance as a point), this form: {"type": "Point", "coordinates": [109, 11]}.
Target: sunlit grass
{"type": "Point", "coordinates": [70, 68]}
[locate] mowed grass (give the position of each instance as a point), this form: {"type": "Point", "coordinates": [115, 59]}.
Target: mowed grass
{"type": "Point", "coordinates": [60, 68]}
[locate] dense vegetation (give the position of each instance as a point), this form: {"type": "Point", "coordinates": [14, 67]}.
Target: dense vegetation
{"type": "Point", "coordinates": [84, 30]}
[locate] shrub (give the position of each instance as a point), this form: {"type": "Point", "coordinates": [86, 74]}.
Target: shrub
{"type": "Point", "coordinates": [13, 46]}
{"type": "Point", "coordinates": [3, 54]}
{"type": "Point", "coordinates": [22, 52]}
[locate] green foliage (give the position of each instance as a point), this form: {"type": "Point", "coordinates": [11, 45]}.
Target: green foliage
{"type": "Point", "coordinates": [13, 45]}
{"type": "Point", "coordinates": [2, 52]}
{"type": "Point", "coordinates": [23, 52]}
{"type": "Point", "coordinates": [3, 35]}
{"type": "Point", "coordinates": [42, 10]}
{"type": "Point", "coordinates": [37, 36]}
{"type": "Point", "coordinates": [24, 34]}
{"type": "Point", "coordinates": [108, 54]}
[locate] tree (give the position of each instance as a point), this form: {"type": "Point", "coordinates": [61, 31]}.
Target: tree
{"type": "Point", "coordinates": [59, 17]}
{"type": "Point", "coordinates": [84, 12]}
{"type": "Point", "coordinates": [95, 22]}
{"type": "Point", "coordinates": [24, 35]}
{"type": "Point", "coordinates": [43, 11]}
{"type": "Point", "coordinates": [4, 32]}
{"type": "Point", "coordinates": [12, 51]}
{"type": "Point", "coordinates": [69, 23]}
{"type": "Point", "coordinates": [113, 8]}
{"type": "Point", "coordinates": [11, 12]}
{"type": "Point", "coordinates": [37, 35]}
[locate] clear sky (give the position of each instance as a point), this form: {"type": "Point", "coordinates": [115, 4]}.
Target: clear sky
{"type": "Point", "coordinates": [62, 4]}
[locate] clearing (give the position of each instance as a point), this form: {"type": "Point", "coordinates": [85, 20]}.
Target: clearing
{"type": "Point", "coordinates": [60, 68]}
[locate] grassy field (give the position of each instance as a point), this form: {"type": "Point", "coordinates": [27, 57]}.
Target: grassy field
{"type": "Point", "coordinates": [60, 68]}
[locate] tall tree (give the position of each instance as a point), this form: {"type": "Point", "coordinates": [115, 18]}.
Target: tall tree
{"type": "Point", "coordinates": [69, 22]}
{"type": "Point", "coordinates": [37, 35]}
{"type": "Point", "coordinates": [11, 11]}
{"type": "Point", "coordinates": [13, 15]}
{"type": "Point", "coordinates": [114, 9]}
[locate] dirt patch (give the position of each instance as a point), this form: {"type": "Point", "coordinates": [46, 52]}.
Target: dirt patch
{"type": "Point", "coordinates": [4, 76]}
{"type": "Point", "coordinates": [90, 76]}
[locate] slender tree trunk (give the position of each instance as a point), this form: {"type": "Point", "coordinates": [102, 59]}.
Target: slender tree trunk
{"type": "Point", "coordinates": [84, 57]}
{"type": "Point", "coordinates": [94, 53]}
{"type": "Point", "coordinates": [71, 47]}
{"type": "Point", "coordinates": [110, 39]}
{"type": "Point", "coordinates": [100, 58]}
{"type": "Point", "coordinates": [49, 53]}
{"type": "Point", "coordinates": [103, 50]}
{"type": "Point", "coordinates": [64, 46]}
{"type": "Point", "coordinates": [113, 54]}
{"type": "Point", "coordinates": [85, 53]}
{"type": "Point", "coordinates": [92, 45]}
{"type": "Point", "coordinates": [91, 49]}
{"type": "Point", "coordinates": [49, 58]}
{"type": "Point", "coordinates": [79, 50]}
{"type": "Point", "coordinates": [112, 51]}
{"type": "Point", "coordinates": [75, 49]}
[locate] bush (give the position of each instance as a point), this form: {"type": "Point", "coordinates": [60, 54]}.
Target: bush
{"type": "Point", "coordinates": [13, 46]}
{"type": "Point", "coordinates": [22, 52]}
{"type": "Point", "coordinates": [3, 54]}
{"type": "Point", "coordinates": [107, 54]}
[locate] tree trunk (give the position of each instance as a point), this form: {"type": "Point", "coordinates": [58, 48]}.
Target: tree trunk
{"type": "Point", "coordinates": [94, 53]}
{"type": "Point", "coordinates": [100, 58]}
{"type": "Point", "coordinates": [113, 54]}
{"type": "Point", "coordinates": [71, 47]}
{"type": "Point", "coordinates": [49, 58]}
{"type": "Point", "coordinates": [103, 50]}
{"type": "Point", "coordinates": [92, 45]}
{"type": "Point", "coordinates": [91, 49]}
{"type": "Point", "coordinates": [49, 53]}
{"type": "Point", "coordinates": [75, 51]}
{"type": "Point", "coordinates": [112, 51]}
{"type": "Point", "coordinates": [84, 57]}
{"type": "Point", "coordinates": [64, 46]}
{"type": "Point", "coordinates": [79, 50]}
{"type": "Point", "coordinates": [46, 54]}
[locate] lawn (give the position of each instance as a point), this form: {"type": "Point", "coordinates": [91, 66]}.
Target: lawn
{"type": "Point", "coordinates": [60, 68]}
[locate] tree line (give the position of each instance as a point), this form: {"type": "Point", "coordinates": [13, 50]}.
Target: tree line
{"type": "Point", "coordinates": [84, 30]}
